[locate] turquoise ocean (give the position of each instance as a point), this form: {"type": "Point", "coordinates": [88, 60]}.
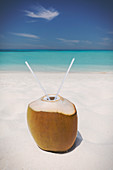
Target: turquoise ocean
{"type": "Point", "coordinates": [57, 60]}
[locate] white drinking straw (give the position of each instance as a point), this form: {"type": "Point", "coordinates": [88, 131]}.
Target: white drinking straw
{"type": "Point", "coordinates": [64, 77]}
{"type": "Point", "coordinates": [36, 79]}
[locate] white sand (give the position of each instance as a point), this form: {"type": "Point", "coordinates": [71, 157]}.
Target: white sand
{"type": "Point", "coordinates": [92, 93]}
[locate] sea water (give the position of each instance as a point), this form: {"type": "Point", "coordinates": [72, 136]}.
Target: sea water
{"type": "Point", "coordinates": [56, 60]}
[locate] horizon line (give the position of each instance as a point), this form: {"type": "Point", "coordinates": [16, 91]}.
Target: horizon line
{"type": "Point", "coordinates": [19, 50]}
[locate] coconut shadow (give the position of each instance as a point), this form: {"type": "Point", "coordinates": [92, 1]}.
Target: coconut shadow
{"type": "Point", "coordinates": [75, 145]}
{"type": "Point", "coordinates": [77, 142]}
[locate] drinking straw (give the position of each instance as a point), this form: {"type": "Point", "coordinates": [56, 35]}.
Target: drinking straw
{"type": "Point", "coordinates": [36, 79]}
{"type": "Point", "coordinates": [64, 77]}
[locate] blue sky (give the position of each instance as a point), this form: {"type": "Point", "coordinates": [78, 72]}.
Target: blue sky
{"type": "Point", "coordinates": [51, 24]}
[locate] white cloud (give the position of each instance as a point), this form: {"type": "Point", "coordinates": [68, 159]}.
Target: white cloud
{"type": "Point", "coordinates": [87, 41]}
{"type": "Point", "coordinates": [106, 39]}
{"type": "Point", "coordinates": [103, 43]}
{"type": "Point", "coordinates": [31, 21]}
{"type": "Point", "coordinates": [75, 41]}
{"type": "Point", "coordinates": [68, 41]}
{"type": "Point", "coordinates": [2, 36]}
{"type": "Point", "coordinates": [41, 12]}
{"type": "Point", "coordinates": [26, 35]}
{"type": "Point", "coordinates": [111, 32]}
{"type": "Point", "coordinates": [36, 46]}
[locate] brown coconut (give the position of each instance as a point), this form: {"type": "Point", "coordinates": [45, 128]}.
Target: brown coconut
{"type": "Point", "coordinates": [53, 124]}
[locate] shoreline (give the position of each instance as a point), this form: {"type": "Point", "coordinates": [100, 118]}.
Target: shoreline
{"type": "Point", "coordinates": [52, 72]}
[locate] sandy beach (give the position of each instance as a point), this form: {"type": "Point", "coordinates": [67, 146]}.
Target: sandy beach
{"type": "Point", "coordinates": [92, 93]}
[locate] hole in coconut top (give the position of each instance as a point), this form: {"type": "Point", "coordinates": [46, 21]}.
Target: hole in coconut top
{"type": "Point", "coordinates": [51, 97]}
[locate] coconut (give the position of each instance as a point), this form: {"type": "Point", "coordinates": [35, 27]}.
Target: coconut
{"type": "Point", "coordinates": [53, 123]}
